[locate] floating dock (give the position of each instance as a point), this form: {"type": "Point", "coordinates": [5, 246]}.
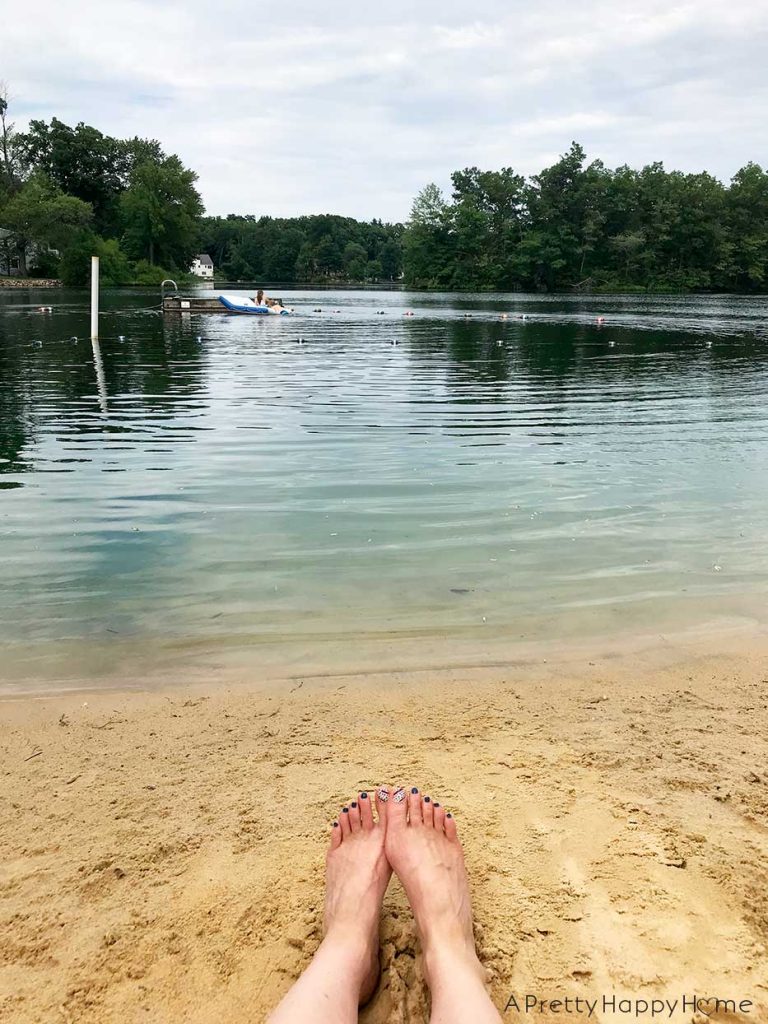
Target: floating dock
{"type": "Point", "coordinates": [192, 304]}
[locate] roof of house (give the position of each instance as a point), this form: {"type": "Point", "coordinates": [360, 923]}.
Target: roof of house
{"type": "Point", "coordinates": [205, 259]}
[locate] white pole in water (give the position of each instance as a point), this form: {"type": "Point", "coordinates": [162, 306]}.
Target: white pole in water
{"type": "Point", "coordinates": [94, 298]}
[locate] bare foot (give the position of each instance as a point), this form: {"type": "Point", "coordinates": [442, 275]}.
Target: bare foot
{"type": "Point", "coordinates": [423, 848]}
{"type": "Point", "coordinates": [357, 875]}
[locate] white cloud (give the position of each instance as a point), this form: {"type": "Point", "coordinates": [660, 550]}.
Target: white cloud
{"type": "Point", "coordinates": [346, 108]}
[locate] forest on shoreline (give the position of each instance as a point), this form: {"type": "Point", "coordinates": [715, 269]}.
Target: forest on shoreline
{"type": "Point", "coordinates": [67, 193]}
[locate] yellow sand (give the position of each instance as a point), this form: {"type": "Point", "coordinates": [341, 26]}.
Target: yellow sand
{"type": "Point", "coordinates": [162, 855]}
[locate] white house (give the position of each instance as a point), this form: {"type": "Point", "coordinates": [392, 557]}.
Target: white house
{"type": "Point", "coordinates": [202, 266]}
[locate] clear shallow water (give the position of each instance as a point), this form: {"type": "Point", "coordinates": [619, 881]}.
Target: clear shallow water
{"type": "Point", "coordinates": [210, 484]}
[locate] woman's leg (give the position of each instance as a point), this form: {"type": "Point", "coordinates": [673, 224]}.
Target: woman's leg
{"type": "Point", "coordinates": [424, 850]}
{"type": "Point", "coordinates": [345, 968]}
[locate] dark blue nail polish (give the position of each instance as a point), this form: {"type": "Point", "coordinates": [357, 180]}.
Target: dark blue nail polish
{"type": "Point", "coordinates": [436, 805]}
{"type": "Point", "coordinates": [363, 796]}
{"type": "Point", "coordinates": [345, 810]}
{"type": "Point", "coordinates": [335, 824]}
{"type": "Point", "coordinates": [354, 803]}
{"type": "Point", "coordinates": [449, 815]}
{"type": "Point", "coordinates": [426, 799]}
{"type": "Point", "coordinates": [414, 790]}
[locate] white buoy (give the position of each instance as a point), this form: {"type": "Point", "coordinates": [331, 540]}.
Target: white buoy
{"type": "Point", "coordinates": [94, 298]}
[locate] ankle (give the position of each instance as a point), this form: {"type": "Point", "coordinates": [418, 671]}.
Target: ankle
{"type": "Point", "coordinates": [450, 953]}
{"type": "Point", "coordinates": [348, 953]}
{"type": "Point", "coordinates": [350, 944]}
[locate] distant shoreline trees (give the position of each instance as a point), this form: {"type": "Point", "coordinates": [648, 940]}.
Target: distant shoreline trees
{"type": "Point", "coordinates": [312, 249]}
{"type": "Point", "coordinates": [67, 193]}
{"type": "Point", "coordinates": [579, 225]}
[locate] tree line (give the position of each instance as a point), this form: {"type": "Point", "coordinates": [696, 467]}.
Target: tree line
{"type": "Point", "coordinates": [67, 193]}
{"type": "Point", "coordinates": [317, 248]}
{"type": "Point", "coordinates": [583, 225]}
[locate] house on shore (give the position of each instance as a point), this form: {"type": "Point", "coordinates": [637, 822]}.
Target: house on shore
{"type": "Point", "coordinates": [202, 266]}
{"type": "Point", "coordinates": [10, 260]}
{"type": "Point", "coordinates": [17, 258]}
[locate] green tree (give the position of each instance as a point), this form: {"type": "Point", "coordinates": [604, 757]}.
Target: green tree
{"type": "Point", "coordinates": [281, 256]}
{"type": "Point", "coordinates": [391, 259]}
{"type": "Point", "coordinates": [81, 162]}
{"type": "Point", "coordinates": [489, 219]}
{"type": "Point", "coordinates": [160, 212]}
{"type": "Point", "coordinates": [41, 215]}
{"type": "Point", "coordinates": [75, 266]}
{"type": "Point", "coordinates": [748, 228]}
{"type": "Point", "coordinates": [628, 245]}
{"type": "Point", "coordinates": [428, 242]}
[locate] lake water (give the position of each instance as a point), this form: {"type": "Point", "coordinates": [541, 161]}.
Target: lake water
{"type": "Point", "coordinates": [355, 489]}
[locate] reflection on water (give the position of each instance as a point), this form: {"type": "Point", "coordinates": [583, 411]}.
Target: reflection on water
{"type": "Point", "coordinates": [293, 487]}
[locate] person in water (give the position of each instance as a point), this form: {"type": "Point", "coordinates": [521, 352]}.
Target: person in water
{"type": "Point", "coordinates": [415, 838]}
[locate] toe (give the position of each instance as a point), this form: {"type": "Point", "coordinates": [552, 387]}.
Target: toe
{"type": "Point", "coordinates": [344, 822]}
{"type": "Point", "coordinates": [383, 796]}
{"type": "Point", "coordinates": [354, 816]}
{"type": "Point", "coordinates": [426, 811]}
{"type": "Point", "coordinates": [366, 812]}
{"type": "Point", "coordinates": [398, 809]}
{"type": "Point", "coordinates": [414, 807]}
{"type": "Point", "coordinates": [335, 836]}
{"type": "Point", "coordinates": [439, 816]}
{"type": "Point", "coordinates": [450, 827]}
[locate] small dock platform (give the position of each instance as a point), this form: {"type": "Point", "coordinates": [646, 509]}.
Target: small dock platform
{"type": "Point", "coordinates": [192, 304]}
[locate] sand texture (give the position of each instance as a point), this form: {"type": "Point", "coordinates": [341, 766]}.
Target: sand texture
{"type": "Point", "coordinates": [162, 854]}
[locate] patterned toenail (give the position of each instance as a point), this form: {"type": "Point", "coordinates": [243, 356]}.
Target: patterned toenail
{"type": "Point", "coordinates": [354, 803]}
{"type": "Point", "coordinates": [383, 794]}
{"type": "Point", "coordinates": [363, 795]}
{"type": "Point", "coordinates": [399, 795]}
{"type": "Point", "coordinates": [415, 790]}
{"type": "Point", "coordinates": [426, 799]}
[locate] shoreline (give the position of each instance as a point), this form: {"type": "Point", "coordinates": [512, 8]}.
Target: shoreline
{"type": "Point", "coordinates": [145, 666]}
{"type": "Point", "coordinates": [392, 286]}
{"type": "Point", "coordinates": [163, 854]}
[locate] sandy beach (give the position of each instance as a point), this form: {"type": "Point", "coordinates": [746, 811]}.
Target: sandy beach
{"type": "Point", "coordinates": [162, 853]}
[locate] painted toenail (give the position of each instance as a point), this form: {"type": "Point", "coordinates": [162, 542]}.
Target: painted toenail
{"type": "Point", "coordinates": [384, 794]}
{"type": "Point", "coordinates": [426, 799]}
{"type": "Point", "coordinates": [363, 796]}
{"type": "Point", "coordinates": [399, 795]}
{"type": "Point", "coordinates": [436, 805]}
{"type": "Point", "coordinates": [449, 815]}
{"type": "Point", "coordinates": [345, 810]}
{"type": "Point", "coordinates": [335, 824]}
{"type": "Point", "coordinates": [354, 803]}
{"type": "Point", "coordinates": [415, 790]}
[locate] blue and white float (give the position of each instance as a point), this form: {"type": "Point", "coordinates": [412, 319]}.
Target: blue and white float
{"type": "Point", "coordinates": [242, 304]}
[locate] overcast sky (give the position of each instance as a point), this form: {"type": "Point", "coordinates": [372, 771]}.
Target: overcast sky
{"type": "Point", "coordinates": [303, 107]}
